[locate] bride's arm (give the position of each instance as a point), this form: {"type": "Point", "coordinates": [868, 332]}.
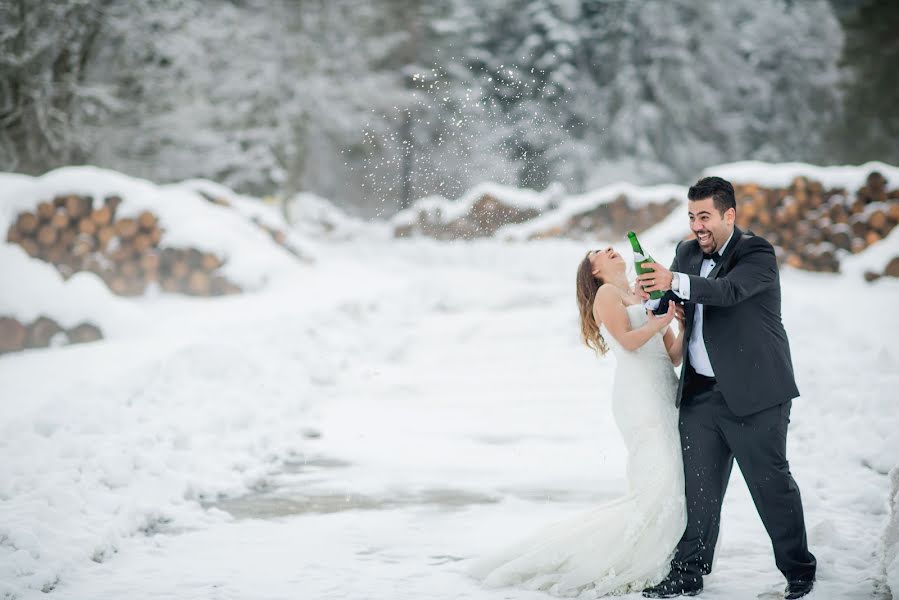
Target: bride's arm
{"type": "Point", "coordinates": [608, 309]}
{"type": "Point", "coordinates": [675, 344]}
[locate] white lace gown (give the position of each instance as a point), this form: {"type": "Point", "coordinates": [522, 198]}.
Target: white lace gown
{"type": "Point", "coordinates": [626, 544]}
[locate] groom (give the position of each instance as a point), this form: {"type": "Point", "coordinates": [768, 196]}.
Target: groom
{"type": "Point", "coordinates": [736, 389]}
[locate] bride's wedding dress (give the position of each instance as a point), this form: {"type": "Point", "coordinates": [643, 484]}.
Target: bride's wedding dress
{"type": "Point", "coordinates": [626, 544]}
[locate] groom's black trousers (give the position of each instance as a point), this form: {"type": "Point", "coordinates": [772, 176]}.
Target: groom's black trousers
{"type": "Point", "coordinates": [711, 438]}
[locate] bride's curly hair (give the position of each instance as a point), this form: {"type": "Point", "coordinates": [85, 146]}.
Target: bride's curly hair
{"type": "Point", "coordinates": [587, 286]}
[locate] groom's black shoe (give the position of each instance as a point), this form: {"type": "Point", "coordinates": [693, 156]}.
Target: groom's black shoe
{"type": "Point", "coordinates": [798, 588]}
{"type": "Point", "coordinates": [675, 584]}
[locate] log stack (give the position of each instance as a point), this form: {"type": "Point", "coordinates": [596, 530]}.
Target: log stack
{"type": "Point", "coordinates": [75, 234]}
{"type": "Point", "coordinates": [811, 226]}
{"type": "Point", "coordinates": [279, 236]}
{"type": "Point", "coordinates": [43, 332]}
{"type": "Point", "coordinates": [486, 215]}
{"type": "Point", "coordinates": [611, 220]}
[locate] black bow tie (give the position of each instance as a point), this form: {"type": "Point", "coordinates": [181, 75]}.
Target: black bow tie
{"type": "Point", "coordinates": [714, 256]}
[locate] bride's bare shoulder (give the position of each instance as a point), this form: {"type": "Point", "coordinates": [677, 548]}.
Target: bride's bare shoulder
{"type": "Point", "coordinates": [607, 297]}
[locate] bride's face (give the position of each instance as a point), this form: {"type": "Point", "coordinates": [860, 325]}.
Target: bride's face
{"type": "Point", "coordinates": [605, 262]}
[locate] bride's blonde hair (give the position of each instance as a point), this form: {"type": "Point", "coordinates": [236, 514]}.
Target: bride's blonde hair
{"type": "Point", "coordinates": [587, 286]}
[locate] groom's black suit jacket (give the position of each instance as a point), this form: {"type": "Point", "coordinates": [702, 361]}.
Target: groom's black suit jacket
{"type": "Point", "coordinates": [742, 328]}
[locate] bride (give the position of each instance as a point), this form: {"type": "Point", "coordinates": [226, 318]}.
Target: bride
{"type": "Point", "coordinates": [627, 544]}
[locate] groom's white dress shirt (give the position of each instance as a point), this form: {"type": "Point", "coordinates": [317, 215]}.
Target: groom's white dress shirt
{"type": "Point", "coordinates": [699, 356]}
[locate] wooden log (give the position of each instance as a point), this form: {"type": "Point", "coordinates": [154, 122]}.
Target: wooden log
{"type": "Point", "coordinates": [836, 211]}
{"type": "Point", "coordinates": [170, 284]}
{"type": "Point", "coordinates": [112, 203]}
{"type": "Point", "coordinates": [119, 285]}
{"type": "Point", "coordinates": [858, 244]}
{"type": "Point", "coordinates": [155, 236]}
{"type": "Point", "coordinates": [60, 220]}
{"type": "Point", "coordinates": [104, 236]}
{"type": "Point", "coordinates": [194, 258]}
{"type": "Point", "coordinates": [30, 247]}
{"type": "Point", "coordinates": [142, 243]}
{"type": "Point", "coordinates": [126, 228]}
{"type": "Point", "coordinates": [876, 181]}
{"type": "Point", "coordinates": [45, 211]}
{"type": "Point", "coordinates": [180, 269]}
{"type": "Point", "coordinates": [877, 220]}
{"type": "Point", "coordinates": [84, 333]}
{"type": "Point", "coordinates": [893, 212]}
{"type": "Point", "coordinates": [787, 235]}
{"type": "Point", "coordinates": [793, 260]}
{"type": "Point", "coordinates": [129, 270]}
{"type": "Point", "coordinates": [87, 226]}
{"type": "Point", "coordinates": [199, 283]}
{"type": "Point", "coordinates": [841, 236]}
{"type": "Point", "coordinates": [101, 216]}
{"type": "Point", "coordinates": [27, 223]}
{"type": "Point", "coordinates": [83, 245]}
{"type": "Point", "coordinates": [859, 225]}
{"type": "Point", "coordinates": [78, 206]}
{"type": "Point", "coordinates": [892, 269]}
{"type": "Point", "coordinates": [210, 262]}
{"type": "Point", "coordinates": [149, 261]}
{"type": "Point", "coordinates": [41, 332]}
{"type": "Point", "coordinates": [146, 220]}
{"type": "Point", "coordinates": [13, 235]}
{"type": "Point", "coordinates": [55, 254]}
{"type": "Point", "coordinates": [13, 335]}
{"type": "Point", "coordinates": [124, 251]}
{"type": "Point", "coordinates": [871, 276]}
{"type": "Point", "coordinates": [46, 235]}
{"type": "Point", "coordinates": [872, 237]}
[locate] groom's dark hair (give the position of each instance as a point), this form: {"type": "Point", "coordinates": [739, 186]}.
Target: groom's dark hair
{"type": "Point", "coordinates": [719, 190]}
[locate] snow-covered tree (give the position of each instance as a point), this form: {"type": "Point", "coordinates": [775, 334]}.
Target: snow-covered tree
{"type": "Point", "coordinates": [45, 48]}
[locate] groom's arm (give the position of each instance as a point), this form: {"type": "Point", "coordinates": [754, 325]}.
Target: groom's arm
{"type": "Point", "coordinates": [755, 272]}
{"type": "Point", "coordinates": [660, 306]}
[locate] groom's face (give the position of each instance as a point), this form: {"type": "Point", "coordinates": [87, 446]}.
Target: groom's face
{"type": "Point", "coordinates": [709, 226]}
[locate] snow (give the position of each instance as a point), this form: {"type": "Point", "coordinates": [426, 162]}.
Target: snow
{"type": "Point", "coordinates": [891, 535]}
{"type": "Point", "coordinates": [850, 177]}
{"type": "Point", "coordinates": [363, 426]}
{"type": "Point", "coordinates": [39, 290]}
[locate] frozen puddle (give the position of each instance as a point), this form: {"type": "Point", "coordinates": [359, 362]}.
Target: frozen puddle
{"type": "Point", "coordinates": [283, 504]}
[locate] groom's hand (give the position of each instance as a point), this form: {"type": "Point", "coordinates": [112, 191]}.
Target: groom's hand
{"type": "Point", "coordinates": [657, 279]}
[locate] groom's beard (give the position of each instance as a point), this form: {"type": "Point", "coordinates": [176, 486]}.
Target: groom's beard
{"type": "Point", "coordinates": [712, 243]}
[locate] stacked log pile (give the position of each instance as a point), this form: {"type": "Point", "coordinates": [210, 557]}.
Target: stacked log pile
{"type": "Point", "coordinates": [611, 220]}
{"type": "Point", "coordinates": [42, 332]}
{"type": "Point", "coordinates": [811, 226]}
{"type": "Point", "coordinates": [279, 236]}
{"type": "Point", "coordinates": [76, 234]}
{"type": "Point", "coordinates": [486, 215]}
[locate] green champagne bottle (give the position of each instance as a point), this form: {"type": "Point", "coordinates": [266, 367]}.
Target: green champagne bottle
{"type": "Point", "coordinates": [640, 257]}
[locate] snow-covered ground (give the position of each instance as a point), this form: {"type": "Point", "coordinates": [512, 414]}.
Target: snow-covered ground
{"type": "Point", "coordinates": [364, 426]}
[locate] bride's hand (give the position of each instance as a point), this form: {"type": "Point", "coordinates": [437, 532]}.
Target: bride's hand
{"type": "Point", "coordinates": [658, 323]}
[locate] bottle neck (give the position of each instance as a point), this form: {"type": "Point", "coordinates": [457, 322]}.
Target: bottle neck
{"type": "Point", "coordinates": [635, 245]}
